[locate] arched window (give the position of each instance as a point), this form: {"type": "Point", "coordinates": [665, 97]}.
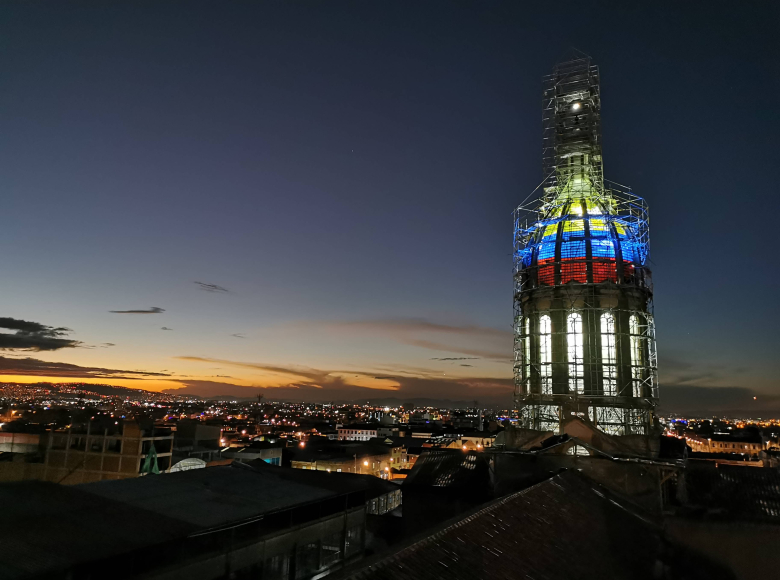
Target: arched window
{"type": "Point", "coordinates": [608, 355]}
{"type": "Point", "coordinates": [545, 354]}
{"type": "Point", "coordinates": [636, 354]}
{"type": "Point", "coordinates": [576, 353]}
{"type": "Point", "coordinates": [527, 352]}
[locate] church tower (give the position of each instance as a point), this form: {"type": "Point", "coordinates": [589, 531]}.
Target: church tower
{"type": "Point", "coordinates": [584, 339]}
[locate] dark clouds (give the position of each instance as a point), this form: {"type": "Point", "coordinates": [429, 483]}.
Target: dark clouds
{"type": "Point", "coordinates": [491, 392]}
{"type": "Point", "coordinates": [35, 367]}
{"type": "Point", "coordinates": [313, 377]}
{"type": "Point", "coordinates": [468, 339]}
{"type": "Point", "coordinates": [152, 310]}
{"type": "Point", "coordinates": [211, 287]}
{"type": "Point", "coordinates": [700, 401]}
{"type": "Point", "coordinates": [33, 336]}
{"type": "Point", "coordinates": [166, 328]}
{"type": "Point", "coordinates": [457, 358]}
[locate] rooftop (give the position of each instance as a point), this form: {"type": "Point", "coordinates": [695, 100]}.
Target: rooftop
{"type": "Point", "coordinates": [48, 526]}
{"type": "Point", "coordinates": [565, 527]}
{"type": "Point", "coordinates": [734, 492]}
{"type": "Point", "coordinates": [210, 497]}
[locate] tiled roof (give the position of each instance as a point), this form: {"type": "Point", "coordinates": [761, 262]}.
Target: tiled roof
{"type": "Point", "coordinates": [735, 492]}
{"type": "Point", "coordinates": [563, 528]}
{"type": "Point", "coordinates": [448, 468]}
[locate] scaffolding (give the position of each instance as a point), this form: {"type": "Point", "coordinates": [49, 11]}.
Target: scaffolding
{"type": "Point", "coordinates": [583, 312]}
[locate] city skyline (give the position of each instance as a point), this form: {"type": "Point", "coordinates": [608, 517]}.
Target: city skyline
{"type": "Point", "coordinates": [317, 205]}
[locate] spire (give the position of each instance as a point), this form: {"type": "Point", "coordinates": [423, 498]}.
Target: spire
{"type": "Point", "coordinates": [572, 129]}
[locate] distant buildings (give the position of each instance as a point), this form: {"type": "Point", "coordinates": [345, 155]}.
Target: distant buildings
{"type": "Point", "coordinates": [378, 457]}
{"type": "Point", "coordinates": [726, 443]}
{"type": "Point", "coordinates": [85, 453]}
{"type": "Point", "coordinates": [271, 453]}
{"type": "Point", "coordinates": [357, 432]}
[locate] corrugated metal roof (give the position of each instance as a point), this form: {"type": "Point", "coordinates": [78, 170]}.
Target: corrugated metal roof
{"type": "Point", "coordinates": [210, 497]}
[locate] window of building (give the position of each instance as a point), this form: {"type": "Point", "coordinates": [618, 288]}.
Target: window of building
{"type": "Point", "coordinates": [527, 351]}
{"type": "Point", "coordinates": [277, 567]}
{"type": "Point", "coordinates": [307, 559]}
{"type": "Point", "coordinates": [608, 355]}
{"type": "Point", "coordinates": [635, 422]}
{"type": "Point", "coordinates": [577, 450]}
{"type": "Point", "coordinates": [354, 541]}
{"type": "Point", "coordinates": [545, 354]}
{"type": "Point", "coordinates": [575, 352]}
{"type": "Point", "coordinates": [636, 354]}
{"type": "Point", "coordinates": [548, 418]}
{"type": "Point", "coordinates": [609, 420]}
{"type": "Point", "coordinates": [331, 549]}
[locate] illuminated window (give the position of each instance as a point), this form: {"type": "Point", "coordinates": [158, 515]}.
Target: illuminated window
{"type": "Point", "coordinates": [548, 417]}
{"type": "Point", "coordinates": [577, 450]}
{"type": "Point", "coordinates": [608, 355]}
{"type": "Point", "coordinates": [609, 420]}
{"type": "Point", "coordinates": [576, 355]}
{"type": "Point", "coordinates": [545, 354]}
{"type": "Point", "coordinates": [527, 351]}
{"type": "Point", "coordinates": [636, 354]}
{"type": "Point", "coordinates": [635, 420]}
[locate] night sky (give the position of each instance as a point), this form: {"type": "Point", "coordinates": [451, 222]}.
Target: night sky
{"type": "Point", "coordinates": [316, 197]}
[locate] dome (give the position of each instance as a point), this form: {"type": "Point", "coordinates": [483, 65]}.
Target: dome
{"type": "Point", "coordinates": [586, 240]}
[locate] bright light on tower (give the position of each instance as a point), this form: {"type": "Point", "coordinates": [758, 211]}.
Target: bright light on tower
{"type": "Point", "coordinates": [576, 106]}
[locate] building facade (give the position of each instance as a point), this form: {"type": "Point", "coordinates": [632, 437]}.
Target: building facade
{"type": "Point", "coordinates": [357, 432]}
{"type": "Point", "coordinates": [584, 339]}
{"type": "Point", "coordinates": [83, 455]}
